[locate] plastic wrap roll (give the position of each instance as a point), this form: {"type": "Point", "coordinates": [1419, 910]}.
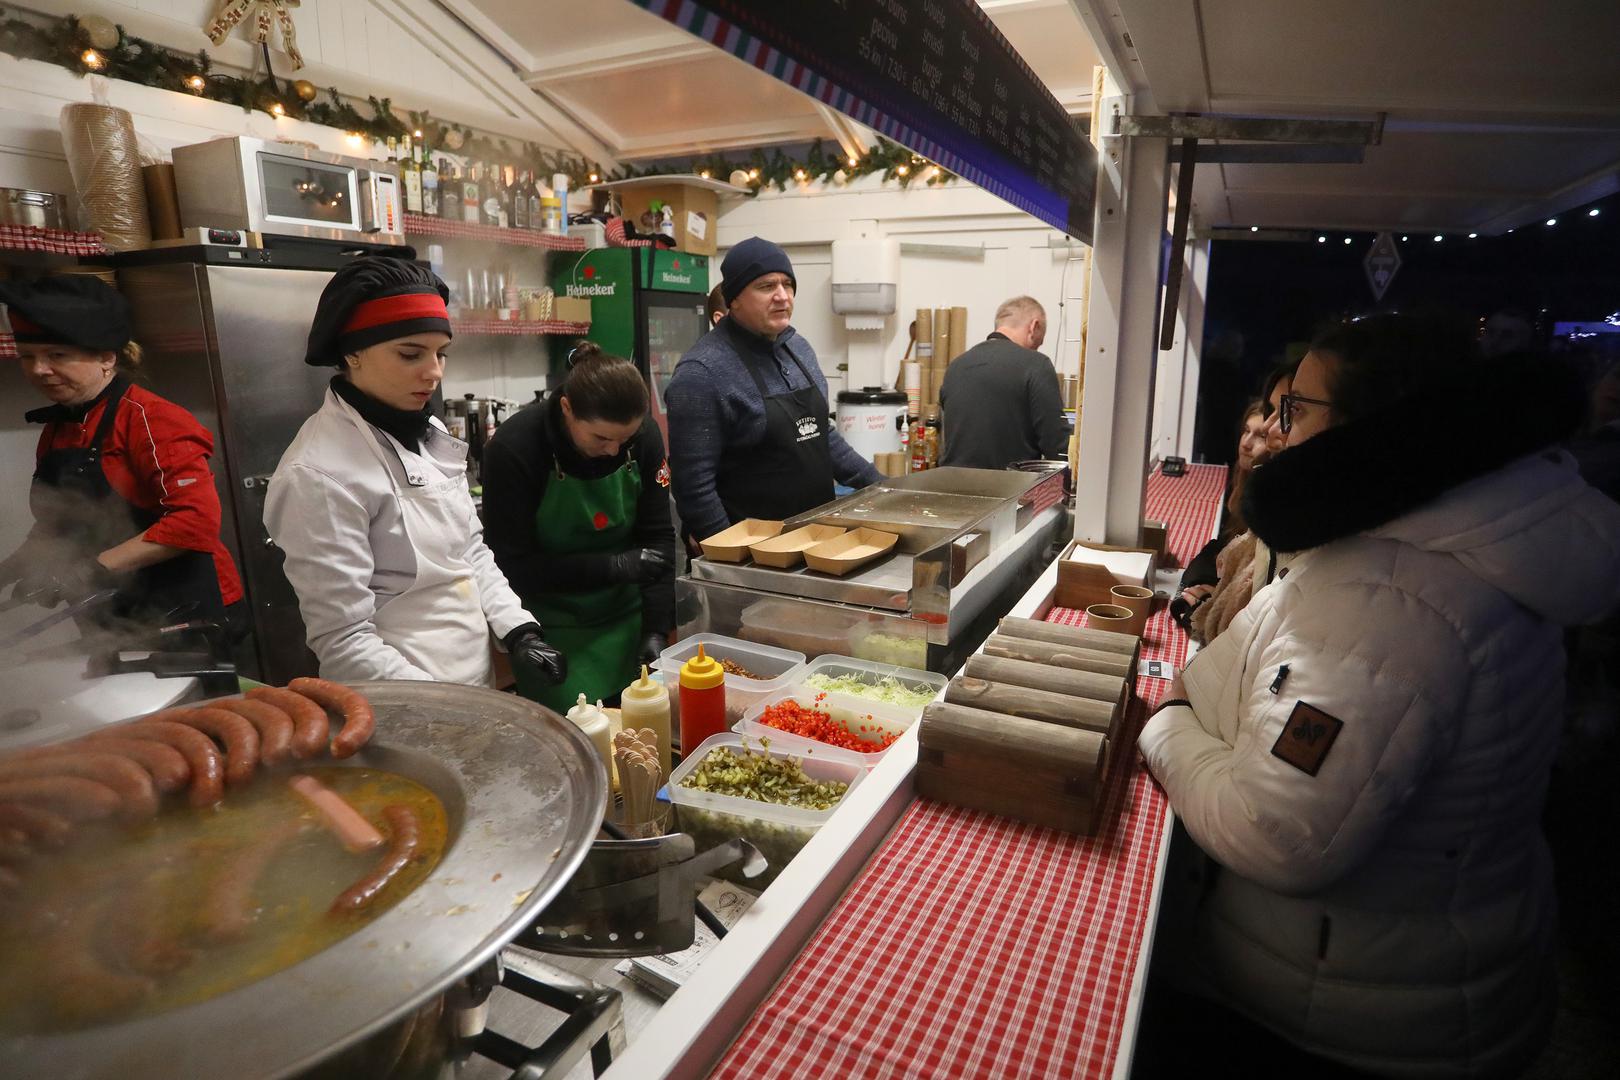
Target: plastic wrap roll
{"type": "Point", "coordinates": [912, 372]}
{"type": "Point", "coordinates": [105, 160]}
{"type": "Point", "coordinates": [958, 333]}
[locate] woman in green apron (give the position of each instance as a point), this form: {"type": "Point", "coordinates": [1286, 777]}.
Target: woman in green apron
{"type": "Point", "coordinates": [577, 512]}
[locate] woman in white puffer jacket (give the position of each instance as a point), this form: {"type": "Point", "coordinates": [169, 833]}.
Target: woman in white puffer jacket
{"type": "Point", "coordinates": [1365, 751]}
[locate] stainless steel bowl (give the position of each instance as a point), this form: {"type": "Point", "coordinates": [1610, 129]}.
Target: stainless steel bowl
{"type": "Point", "coordinates": [525, 793]}
{"type": "Point", "coordinates": [44, 209]}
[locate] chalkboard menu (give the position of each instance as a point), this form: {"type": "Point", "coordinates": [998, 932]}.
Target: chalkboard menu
{"type": "Point", "coordinates": [933, 75]}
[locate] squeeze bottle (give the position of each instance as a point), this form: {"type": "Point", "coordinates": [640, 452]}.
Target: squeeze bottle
{"type": "Point", "coordinates": [645, 704]}
{"type": "Point", "coordinates": [703, 700]}
{"type": "Point", "coordinates": [594, 723]}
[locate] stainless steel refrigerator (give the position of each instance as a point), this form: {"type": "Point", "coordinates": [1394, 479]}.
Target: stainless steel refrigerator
{"type": "Point", "coordinates": [224, 332]}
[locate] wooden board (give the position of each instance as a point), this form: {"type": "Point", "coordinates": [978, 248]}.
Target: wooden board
{"type": "Point", "coordinates": [853, 549]}
{"type": "Point", "coordinates": [732, 544]}
{"type": "Point", "coordinates": [1038, 796]}
{"type": "Point", "coordinates": [786, 550]}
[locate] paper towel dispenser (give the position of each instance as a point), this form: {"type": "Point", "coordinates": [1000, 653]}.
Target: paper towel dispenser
{"type": "Point", "coordinates": [865, 276]}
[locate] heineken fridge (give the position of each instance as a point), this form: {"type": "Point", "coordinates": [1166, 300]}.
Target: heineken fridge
{"type": "Point", "coordinates": [647, 305]}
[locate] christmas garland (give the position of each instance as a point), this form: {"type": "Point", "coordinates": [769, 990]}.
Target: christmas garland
{"type": "Point", "coordinates": [95, 45]}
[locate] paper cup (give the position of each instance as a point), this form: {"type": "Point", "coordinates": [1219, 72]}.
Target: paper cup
{"type": "Point", "coordinates": [1137, 600]}
{"type": "Point", "coordinates": [1109, 617]}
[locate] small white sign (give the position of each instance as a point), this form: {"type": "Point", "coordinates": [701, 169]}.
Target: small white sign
{"type": "Point", "coordinates": [697, 225]}
{"type": "Point", "coordinates": [1155, 669]}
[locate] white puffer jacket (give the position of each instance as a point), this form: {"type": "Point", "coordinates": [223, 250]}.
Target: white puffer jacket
{"type": "Point", "coordinates": [1395, 910]}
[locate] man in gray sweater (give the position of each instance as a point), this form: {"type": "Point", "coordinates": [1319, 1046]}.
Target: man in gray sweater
{"type": "Point", "coordinates": [749, 435]}
{"type": "Point", "coordinates": [1007, 405]}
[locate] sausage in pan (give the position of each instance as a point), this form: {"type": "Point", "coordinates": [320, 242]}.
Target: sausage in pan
{"type": "Point", "coordinates": [311, 729]}
{"type": "Point", "coordinates": [73, 797]}
{"type": "Point", "coordinates": [274, 726]}
{"type": "Point", "coordinates": [231, 909]}
{"type": "Point", "coordinates": [41, 827]}
{"type": "Point", "coordinates": [358, 719]}
{"type": "Point", "coordinates": [136, 792]}
{"type": "Point", "coordinates": [166, 765]}
{"type": "Point", "coordinates": [202, 756]}
{"type": "Point", "coordinates": [239, 738]}
{"type": "Point", "coordinates": [403, 840]}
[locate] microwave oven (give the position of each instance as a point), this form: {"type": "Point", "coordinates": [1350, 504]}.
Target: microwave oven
{"type": "Point", "coordinates": [280, 189]}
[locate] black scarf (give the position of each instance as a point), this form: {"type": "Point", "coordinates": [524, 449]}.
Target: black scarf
{"type": "Point", "coordinates": [1363, 474]}
{"type": "Point", "coordinates": [73, 414]}
{"type": "Point", "coordinates": [406, 425]}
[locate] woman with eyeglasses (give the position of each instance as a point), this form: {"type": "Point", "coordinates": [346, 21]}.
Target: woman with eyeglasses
{"type": "Point", "coordinates": [1364, 752]}
{"type": "Point", "coordinates": [576, 505]}
{"type": "Point", "coordinates": [370, 503]}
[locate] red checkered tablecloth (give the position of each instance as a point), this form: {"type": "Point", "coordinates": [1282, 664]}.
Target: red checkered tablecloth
{"type": "Point", "coordinates": [977, 946]}
{"type": "Point", "coordinates": [422, 225]}
{"type": "Point", "coordinates": [50, 241]}
{"type": "Point", "coordinates": [518, 327]}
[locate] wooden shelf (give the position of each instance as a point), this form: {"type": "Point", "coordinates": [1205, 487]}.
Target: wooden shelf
{"type": "Point", "coordinates": [517, 327]}
{"type": "Point", "coordinates": [422, 225]}
{"type": "Point", "coordinates": [50, 241]}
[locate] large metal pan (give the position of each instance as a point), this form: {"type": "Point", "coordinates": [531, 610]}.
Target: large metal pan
{"type": "Point", "coordinates": [525, 793]}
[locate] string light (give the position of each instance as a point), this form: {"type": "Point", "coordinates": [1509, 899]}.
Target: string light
{"type": "Point", "coordinates": [1254, 228]}
{"type": "Point", "coordinates": [1347, 239]}
{"type": "Point", "coordinates": [277, 109]}
{"type": "Point", "coordinates": [1404, 239]}
{"type": "Point", "coordinates": [93, 60]}
{"type": "Point", "coordinates": [704, 174]}
{"type": "Point", "coordinates": [417, 133]}
{"type": "Point", "coordinates": [1551, 222]}
{"type": "Point", "coordinates": [902, 170]}
{"type": "Point", "coordinates": [1473, 236]}
{"type": "Point", "coordinates": [1321, 239]}
{"type": "Point", "coordinates": [356, 139]}
{"type": "Point", "coordinates": [753, 174]}
{"type": "Point", "coordinates": [854, 161]}
{"type": "Point", "coordinates": [1594, 212]}
{"type": "Point", "coordinates": [1438, 238]}
{"type": "Point", "coordinates": [799, 174]}
{"type": "Point", "coordinates": [196, 83]}
{"type": "Point", "coordinates": [594, 178]}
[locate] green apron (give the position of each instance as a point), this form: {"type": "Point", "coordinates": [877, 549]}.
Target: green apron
{"type": "Point", "coordinates": [600, 629]}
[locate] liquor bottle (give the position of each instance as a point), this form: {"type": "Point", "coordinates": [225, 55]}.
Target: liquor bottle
{"type": "Point", "coordinates": [487, 200]}
{"type": "Point", "coordinates": [449, 191]}
{"type": "Point", "coordinates": [471, 210]}
{"type": "Point", "coordinates": [503, 194]}
{"type": "Point", "coordinates": [430, 183]}
{"type": "Point", "coordinates": [533, 197]}
{"type": "Point", "coordinates": [412, 178]}
{"type": "Point", "coordinates": [518, 200]}
{"type": "Point", "coordinates": [393, 152]}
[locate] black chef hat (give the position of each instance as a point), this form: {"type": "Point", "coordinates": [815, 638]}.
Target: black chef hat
{"type": "Point", "coordinates": [374, 299]}
{"type": "Point", "coordinates": [749, 261]}
{"type": "Point", "coordinates": [67, 309]}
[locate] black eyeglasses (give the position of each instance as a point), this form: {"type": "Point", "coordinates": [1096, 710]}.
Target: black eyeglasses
{"type": "Point", "coordinates": [1285, 409]}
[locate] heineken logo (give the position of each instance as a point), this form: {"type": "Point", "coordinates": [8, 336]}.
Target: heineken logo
{"type": "Point", "coordinates": [609, 289]}
{"type": "Point", "coordinates": [675, 279]}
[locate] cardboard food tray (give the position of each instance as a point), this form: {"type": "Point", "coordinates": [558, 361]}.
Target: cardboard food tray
{"type": "Point", "coordinates": [854, 549]}
{"type": "Point", "coordinates": [732, 545]}
{"type": "Point", "coordinates": [787, 550]}
{"type": "Point", "coordinates": [1081, 584]}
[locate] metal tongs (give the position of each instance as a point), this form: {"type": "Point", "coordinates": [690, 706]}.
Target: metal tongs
{"type": "Point", "coordinates": [78, 607]}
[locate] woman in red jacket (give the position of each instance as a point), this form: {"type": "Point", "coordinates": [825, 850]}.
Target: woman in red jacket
{"type": "Point", "coordinates": [122, 498]}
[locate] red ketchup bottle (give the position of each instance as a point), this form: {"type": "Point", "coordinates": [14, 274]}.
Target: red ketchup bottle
{"type": "Point", "coordinates": [703, 700]}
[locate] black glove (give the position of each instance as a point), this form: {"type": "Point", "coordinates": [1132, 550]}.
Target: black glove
{"type": "Point", "coordinates": [652, 645]}
{"type": "Point", "coordinates": [638, 566]}
{"type": "Point", "coordinates": [531, 656]}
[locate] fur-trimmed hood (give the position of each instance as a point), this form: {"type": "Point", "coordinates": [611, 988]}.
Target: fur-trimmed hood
{"type": "Point", "coordinates": [1468, 475]}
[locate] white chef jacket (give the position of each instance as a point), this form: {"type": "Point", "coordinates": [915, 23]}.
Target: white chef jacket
{"type": "Point", "coordinates": [386, 590]}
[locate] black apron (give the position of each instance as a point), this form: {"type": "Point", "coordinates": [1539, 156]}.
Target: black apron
{"type": "Point", "coordinates": [74, 504]}
{"type": "Point", "coordinates": [790, 470]}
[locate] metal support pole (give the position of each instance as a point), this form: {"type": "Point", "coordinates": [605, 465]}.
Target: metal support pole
{"type": "Point", "coordinates": [1197, 292]}
{"type": "Point", "coordinates": [1120, 355]}
{"type": "Point", "coordinates": [1178, 244]}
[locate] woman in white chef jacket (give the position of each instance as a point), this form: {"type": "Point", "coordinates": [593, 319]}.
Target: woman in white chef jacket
{"type": "Point", "coordinates": [370, 502]}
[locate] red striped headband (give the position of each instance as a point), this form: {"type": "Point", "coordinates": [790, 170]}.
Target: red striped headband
{"type": "Point", "coordinates": [385, 310]}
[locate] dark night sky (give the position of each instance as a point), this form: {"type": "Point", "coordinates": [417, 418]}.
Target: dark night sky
{"type": "Point", "coordinates": [1274, 293]}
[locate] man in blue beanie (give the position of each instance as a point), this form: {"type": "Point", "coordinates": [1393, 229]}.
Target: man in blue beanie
{"type": "Point", "coordinates": [749, 435]}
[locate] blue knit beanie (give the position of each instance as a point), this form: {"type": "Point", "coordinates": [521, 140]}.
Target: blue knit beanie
{"type": "Point", "coordinates": [749, 261]}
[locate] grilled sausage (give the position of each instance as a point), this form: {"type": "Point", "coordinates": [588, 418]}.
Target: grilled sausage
{"type": "Point", "coordinates": [136, 792]}
{"type": "Point", "coordinates": [166, 765]}
{"type": "Point", "coordinates": [202, 756]}
{"type": "Point", "coordinates": [240, 739]}
{"type": "Point", "coordinates": [358, 719]}
{"type": "Point", "coordinates": [73, 797]}
{"type": "Point", "coordinates": [311, 729]}
{"type": "Point", "coordinates": [404, 838]}
{"type": "Point", "coordinates": [230, 909]}
{"type": "Point", "coordinates": [41, 827]}
{"type": "Point", "coordinates": [274, 726]}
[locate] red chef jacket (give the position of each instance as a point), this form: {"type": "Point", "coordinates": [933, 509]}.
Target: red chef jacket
{"type": "Point", "coordinates": [156, 457]}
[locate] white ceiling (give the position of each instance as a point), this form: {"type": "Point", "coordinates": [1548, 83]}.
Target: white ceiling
{"type": "Point", "coordinates": [1497, 113]}
{"type": "Point", "coordinates": [649, 89]}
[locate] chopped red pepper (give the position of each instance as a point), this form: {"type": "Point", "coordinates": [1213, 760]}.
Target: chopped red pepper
{"type": "Point", "coordinates": [815, 724]}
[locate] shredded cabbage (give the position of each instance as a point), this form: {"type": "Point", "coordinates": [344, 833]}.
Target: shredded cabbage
{"type": "Point", "coordinates": [888, 689]}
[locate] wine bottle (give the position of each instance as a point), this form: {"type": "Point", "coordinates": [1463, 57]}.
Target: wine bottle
{"type": "Point", "coordinates": [503, 195]}
{"type": "Point", "coordinates": [488, 199]}
{"type": "Point", "coordinates": [471, 208]}
{"type": "Point", "coordinates": [412, 178]}
{"type": "Point", "coordinates": [533, 196]}
{"type": "Point", "coordinates": [520, 201]}
{"type": "Point", "coordinates": [430, 182]}
{"type": "Point", "coordinates": [449, 191]}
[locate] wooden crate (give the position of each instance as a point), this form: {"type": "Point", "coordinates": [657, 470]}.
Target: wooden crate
{"type": "Point", "coordinates": [1082, 584]}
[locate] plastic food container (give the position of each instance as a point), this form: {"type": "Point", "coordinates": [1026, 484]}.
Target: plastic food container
{"type": "Point", "coordinates": [853, 712]}
{"type": "Point", "coordinates": [882, 644]}
{"type": "Point", "coordinates": [778, 668]}
{"type": "Point", "coordinates": [778, 831]}
{"type": "Point", "coordinates": [867, 671]}
{"type": "Point", "coordinates": [801, 627]}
